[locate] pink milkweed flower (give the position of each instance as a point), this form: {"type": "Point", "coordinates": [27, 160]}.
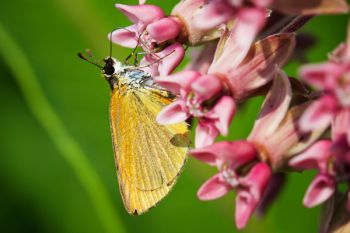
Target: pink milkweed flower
{"type": "Point", "coordinates": [212, 97]}
{"type": "Point", "coordinates": [248, 197]}
{"type": "Point", "coordinates": [275, 133]}
{"type": "Point", "coordinates": [194, 91]}
{"type": "Point", "coordinates": [153, 31]}
{"type": "Point", "coordinates": [318, 157]}
{"type": "Point", "coordinates": [330, 158]}
{"type": "Point", "coordinates": [202, 57]}
{"type": "Point", "coordinates": [333, 78]}
{"type": "Point", "coordinates": [217, 12]}
{"type": "Point", "coordinates": [247, 165]}
{"type": "Point", "coordinates": [230, 157]}
{"type": "Point", "coordinates": [185, 12]}
{"type": "Point", "coordinates": [163, 62]}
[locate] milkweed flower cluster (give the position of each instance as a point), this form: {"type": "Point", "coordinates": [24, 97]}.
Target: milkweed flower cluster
{"type": "Point", "coordinates": [244, 46]}
{"type": "Point", "coordinates": [330, 109]}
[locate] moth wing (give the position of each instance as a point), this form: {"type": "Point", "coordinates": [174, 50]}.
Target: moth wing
{"type": "Point", "coordinates": [148, 156]}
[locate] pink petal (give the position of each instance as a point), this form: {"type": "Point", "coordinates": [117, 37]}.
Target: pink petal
{"type": "Point", "coordinates": [248, 197]}
{"type": "Point", "coordinates": [287, 140]}
{"type": "Point", "coordinates": [258, 68]}
{"type": "Point", "coordinates": [201, 58]}
{"type": "Point", "coordinates": [238, 153]}
{"type": "Point", "coordinates": [178, 81]}
{"type": "Point", "coordinates": [319, 114]}
{"type": "Point", "coordinates": [163, 30]}
{"type": "Point", "coordinates": [144, 13]}
{"type": "Point", "coordinates": [298, 140]}
{"type": "Point", "coordinates": [125, 36]}
{"type": "Point", "coordinates": [173, 113]}
{"type": "Point", "coordinates": [322, 76]}
{"type": "Point", "coordinates": [245, 206]}
{"type": "Point", "coordinates": [321, 188]}
{"type": "Point", "coordinates": [170, 57]}
{"type": "Point", "coordinates": [206, 155]}
{"type": "Point", "coordinates": [206, 87]}
{"type": "Point", "coordinates": [206, 133]}
{"type": "Point", "coordinates": [274, 108]}
{"type": "Point", "coordinates": [187, 11]}
{"type": "Point", "coordinates": [340, 152]}
{"type": "Point", "coordinates": [212, 14]}
{"type": "Point", "coordinates": [343, 94]}
{"type": "Point", "coordinates": [341, 124]}
{"type": "Point", "coordinates": [316, 156]}
{"type": "Point", "coordinates": [248, 23]}
{"type": "Point", "coordinates": [257, 179]}
{"type": "Point", "coordinates": [338, 53]}
{"type": "Point", "coordinates": [213, 188]}
{"type": "Point", "coordinates": [223, 113]}
{"type": "Point", "coordinates": [148, 65]}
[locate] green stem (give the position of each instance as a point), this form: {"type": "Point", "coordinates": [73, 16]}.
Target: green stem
{"type": "Point", "coordinates": [55, 128]}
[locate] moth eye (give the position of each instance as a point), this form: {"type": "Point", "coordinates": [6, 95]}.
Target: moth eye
{"type": "Point", "coordinates": [108, 70]}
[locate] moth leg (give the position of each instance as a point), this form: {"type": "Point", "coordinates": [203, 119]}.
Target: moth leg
{"type": "Point", "coordinates": [139, 41]}
{"type": "Point", "coordinates": [155, 61]}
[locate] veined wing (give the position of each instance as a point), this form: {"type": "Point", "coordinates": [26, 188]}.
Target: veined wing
{"type": "Point", "coordinates": [148, 156]}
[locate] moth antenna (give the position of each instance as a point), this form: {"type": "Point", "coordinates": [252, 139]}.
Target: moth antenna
{"type": "Point", "coordinates": [88, 60]}
{"type": "Point", "coordinates": [110, 39]}
{"type": "Point", "coordinates": [110, 43]}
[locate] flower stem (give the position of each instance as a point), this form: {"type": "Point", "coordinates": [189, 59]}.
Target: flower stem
{"type": "Point", "coordinates": [65, 143]}
{"type": "Point", "coordinates": [297, 23]}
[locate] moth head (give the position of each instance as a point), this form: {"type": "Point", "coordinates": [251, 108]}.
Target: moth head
{"type": "Point", "coordinates": [108, 69]}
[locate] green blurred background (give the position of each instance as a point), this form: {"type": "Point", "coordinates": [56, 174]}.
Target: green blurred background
{"type": "Point", "coordinates": [57, 171]}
